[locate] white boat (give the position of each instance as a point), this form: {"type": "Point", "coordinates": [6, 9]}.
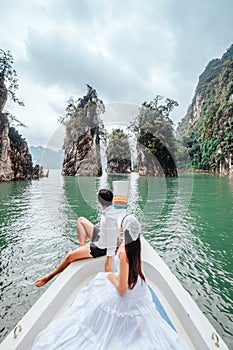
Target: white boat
{"type": "Point", "coordinates": [173, 301]}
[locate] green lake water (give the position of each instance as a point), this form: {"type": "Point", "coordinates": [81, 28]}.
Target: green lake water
{"type": "Point", "coordinates": [188, 221]}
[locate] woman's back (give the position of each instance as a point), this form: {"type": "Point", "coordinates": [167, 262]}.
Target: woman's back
{"type": "Point", "coordinates": [139, 290]}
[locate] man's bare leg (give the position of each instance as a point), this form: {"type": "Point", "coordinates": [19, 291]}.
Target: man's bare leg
{"type": "Point", "coordinates": [82, 252]}
{"type": "Point", "coordinates": [84, 230]}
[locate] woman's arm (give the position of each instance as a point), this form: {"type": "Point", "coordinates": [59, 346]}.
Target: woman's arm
{"type": "Point", "coordinates": [108, 265]}
{"type": "Point", "coordinates": [121, 283]}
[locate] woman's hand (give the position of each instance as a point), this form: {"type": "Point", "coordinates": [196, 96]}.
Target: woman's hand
{"type": "Point", "coordinates": [121, 282]}
{"type": "Point", "coordinates": [108, 266]}
{"type": "Point", "coordinates": [113, 278]}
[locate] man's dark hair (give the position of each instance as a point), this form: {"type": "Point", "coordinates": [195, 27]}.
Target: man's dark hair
{"type": "Point", "coordinates": [105, 197]}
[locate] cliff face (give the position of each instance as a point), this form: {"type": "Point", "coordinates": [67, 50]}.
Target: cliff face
{"type": "Point", "coordinates": [83, 131]}
{"type": "Point", "coordinates": [120, 166]}
{"type": "Point", "coordinates": [15, 159]}
{"type": "Point", "coordinates": [155, 157]}
{"type": "Point", "coordinates": [207, 128]}
{"type": "Point", "coordinates": [155, 138]}
{"type": "Point", "coordinates": [6, 171]}
{"type": "Point", "coordinates": [21, 159]}
{"type": "Point", "coordinates": [82, 157]}
{"type": "Point", "coordinates": [3, 95]}
{"type": "Point", "coordinates": [206, 79]}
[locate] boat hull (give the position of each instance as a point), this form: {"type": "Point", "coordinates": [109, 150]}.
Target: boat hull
{"type": "Point", "coordinates": [181, 309]}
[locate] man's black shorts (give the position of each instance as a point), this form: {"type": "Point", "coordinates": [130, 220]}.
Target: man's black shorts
{"type": "Point", "coordinates": [94, 250]}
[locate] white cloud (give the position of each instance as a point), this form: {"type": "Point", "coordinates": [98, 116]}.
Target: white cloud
{"type": "Point", "coordinates": [129, 51]}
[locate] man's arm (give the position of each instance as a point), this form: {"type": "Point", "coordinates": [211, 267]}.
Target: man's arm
{"type": "Point", "coordinates": [108, 265]}
{"type": "Point", "coordinates": [109, 230]}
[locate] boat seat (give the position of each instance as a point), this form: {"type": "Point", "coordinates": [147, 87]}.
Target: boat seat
{"type": "Point", "coordinates": [160, 308]}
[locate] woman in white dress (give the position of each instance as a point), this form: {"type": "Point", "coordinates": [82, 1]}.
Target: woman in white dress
{"type": "Point", "coordinates": [113, 311]}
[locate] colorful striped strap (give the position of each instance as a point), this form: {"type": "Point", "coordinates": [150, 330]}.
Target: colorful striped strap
{"type": "Point", "coordinates": [120, 202]}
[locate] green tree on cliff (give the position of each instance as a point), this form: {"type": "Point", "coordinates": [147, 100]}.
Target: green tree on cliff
{"type": "Point", "coordinates": [154, 131]}
{"type": "Point", "coordinates": [8, 85]}
{"type": "Point", "coordinates": [8, 76]}
{"type": "Point", "coordinates": [84, 129]}
{"type": "Point", "coordinates": [209, 137]}
{"type": "Point", "coordinates": [118, 152]}
{"type": "Point", "coordinates": [82, 114]}
{"type": "Point", "coordinates": [216, 123]}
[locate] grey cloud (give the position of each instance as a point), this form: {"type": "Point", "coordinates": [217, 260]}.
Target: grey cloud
{"type": "Point", "coordinates": [53, 59]}
{"type": "Point", "coordinates": [203, 30]}
{"type": "Point", "coordinates": [83, 12]}
{"type": "Point", "coordinates": [141, 37]}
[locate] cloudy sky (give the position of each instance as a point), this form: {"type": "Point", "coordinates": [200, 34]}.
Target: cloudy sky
{"type": "Point", "coordinates": [129, 50]}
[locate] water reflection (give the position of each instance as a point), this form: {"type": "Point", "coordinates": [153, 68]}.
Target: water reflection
{"type": "Point", "coordinates": [81, 194]}
{"type": "Point", "coordinates": [14, 202]}
{"type": "Point", "coordinates": [187, 220]}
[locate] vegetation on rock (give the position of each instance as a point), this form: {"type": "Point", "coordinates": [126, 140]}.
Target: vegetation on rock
{"type": "Point", "coordinates": [15, 159]}
{"type": "Point", "coordinates": [207, 129]}
{"type": "Point", "coordinates": [118, 152]}
{"type": "Point", "coordinates": [8, 77]}
{"type": "Point", "coordinates": [8, 85]}
{"type": "Point", "coordinates": [155, 138]}
{"type": "Point", "coordinates": [21, 159]}
{"type": "Point", "coordinates": [84, 128]}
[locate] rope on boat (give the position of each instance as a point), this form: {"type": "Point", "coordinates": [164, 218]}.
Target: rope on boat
{"type": "Point", "coordinates": [17, 328]}
{"type": "Point", "coordinates": [215, 338]}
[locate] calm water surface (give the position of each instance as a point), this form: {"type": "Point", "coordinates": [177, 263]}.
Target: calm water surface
{"type": "Point", "coordinates": [188, 221]}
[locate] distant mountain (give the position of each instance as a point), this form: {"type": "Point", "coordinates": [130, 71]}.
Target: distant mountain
{"type": "Point", "coordinates": [47, 157]}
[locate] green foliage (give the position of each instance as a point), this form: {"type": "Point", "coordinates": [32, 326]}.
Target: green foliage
{"type": "Point", "coordinates": [154, 130]}
{"type": "Point", "coordinates": [210, 139]}
{"type": "Point", "coordinates": [14, 136]}
{"type": "Point", "coordinates": [83, 114]}
{"type": "Point", "coordinates": [228, 55]}
{"type": "Point", "coordinates": [211, 72]}
{"type": "Point", "coordinates": [118, 147]}
{"type": "Point", "coordinates": [8, 76]}
{"type": "Point", "coordinates": [190, 146]}
{"type": "Point", "coordinates": [14, 122]}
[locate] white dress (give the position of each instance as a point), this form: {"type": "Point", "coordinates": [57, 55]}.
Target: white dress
{"type": "Point", "coordinates": [101, 319]}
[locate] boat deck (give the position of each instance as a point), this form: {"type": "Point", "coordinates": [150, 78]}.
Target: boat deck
{"type": "Point", "coordinates": [79, 284]}
{"type": "Point", "coordinates": [183, 312]}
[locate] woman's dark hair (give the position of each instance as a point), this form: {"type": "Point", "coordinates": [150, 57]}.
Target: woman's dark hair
{"type": "Point", "coordinates": [105, 197]}
{"type": "Point", "coordinates": [133, 253]}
